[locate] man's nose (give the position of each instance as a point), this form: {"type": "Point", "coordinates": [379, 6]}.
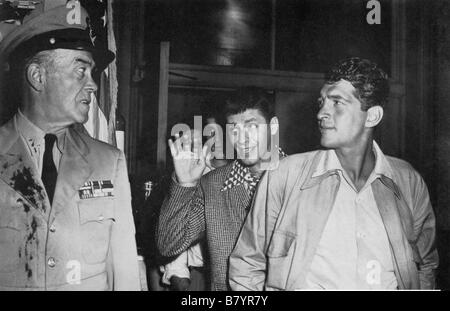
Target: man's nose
{"type": "Point", "coordinates": [91, 86]}
{"type": "Point", "coordinates": [243, 136]}
{"type": "Point", "coordinates": [324, 111]}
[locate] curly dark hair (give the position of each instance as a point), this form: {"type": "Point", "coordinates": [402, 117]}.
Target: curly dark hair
{"type": "Point", "coordinates": [370, 81]}
{"type": "Point", "coordinates": [249, 98]}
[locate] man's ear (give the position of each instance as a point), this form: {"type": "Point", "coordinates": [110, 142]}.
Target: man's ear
{"type": "Point", "coordinates": [374, 116]}
{"type": "Point", "coordinates": [35, 76]}
{"type": "Point", "coordinates": [274, 126]}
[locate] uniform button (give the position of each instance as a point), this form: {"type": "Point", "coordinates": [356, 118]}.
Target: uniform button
{"type": "Point", "coordinates": [52, 228]}
{"type": "Point", "coordinates": [51, 262]}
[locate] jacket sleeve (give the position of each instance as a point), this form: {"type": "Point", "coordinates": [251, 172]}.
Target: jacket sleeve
{"type": "Point", "coordinates": [181, 220]}
{"type": "Point", "coordinates": [425, 229]}
{"type": "Point", "coordinates": [123, 261]}
{"type": "Point", "coordinates": [248, 260]}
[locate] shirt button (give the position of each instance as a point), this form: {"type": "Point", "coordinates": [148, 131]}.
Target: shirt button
{"type": "Point", "coordinates": [52, 228]}
{"type": "Point", "coordinates": [51, 262]}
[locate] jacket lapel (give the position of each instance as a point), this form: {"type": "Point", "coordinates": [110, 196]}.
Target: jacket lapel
{"type": "Point", "coordinates": [239, 201]}
{"type": "Point", "coordinates": [388, 205]}
{"type": "Point", "coordinates": [313, 220]}
{"type": "Point", "coordinates": [74, 170]}
{"type": "Point", "coordinates": [18, 170]}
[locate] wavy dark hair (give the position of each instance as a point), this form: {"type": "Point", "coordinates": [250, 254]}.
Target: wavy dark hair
{"type": "Point", "coordinates": [250, 98]}
{"type": "Point", "coordinates": [370, 81]}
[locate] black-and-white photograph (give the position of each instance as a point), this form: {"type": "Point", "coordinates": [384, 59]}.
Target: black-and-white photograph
{"type": "Point", "coordinates": [224, 145]}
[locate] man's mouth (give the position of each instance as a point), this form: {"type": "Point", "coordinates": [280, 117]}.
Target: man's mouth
{"type": "Point", "coordinates": [246, 150]}
{"type": "Point", "coordinates": [323, 128]}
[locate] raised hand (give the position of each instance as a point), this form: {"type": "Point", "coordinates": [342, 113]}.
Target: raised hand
{"type": "Point", "coordinates": [189, 162]}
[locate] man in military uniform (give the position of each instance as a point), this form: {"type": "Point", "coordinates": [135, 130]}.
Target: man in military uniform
{"type": "Point", "coordinates": [65, 207]}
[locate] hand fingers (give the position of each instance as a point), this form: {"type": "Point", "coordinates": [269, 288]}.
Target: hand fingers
{"type": "Point", "coordinates": [184, 143]}
{"type": "Point", "coordinates": [178, 143]}
{"type": "Point", "coordinates": [208, 160]}
{"type": "Point", "coordinates": [197, 147]}
{"type": "Point", "coordinates": [205, 151]}
{"type": "Point", "coordinates": [173, 150]}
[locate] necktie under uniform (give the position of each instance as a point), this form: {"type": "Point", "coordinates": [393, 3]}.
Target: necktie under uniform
{"type": "Point", "coordinates": [49, 172]}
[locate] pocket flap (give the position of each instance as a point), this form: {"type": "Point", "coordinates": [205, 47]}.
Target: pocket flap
{"type": "Point", "coordinates": [12, 219]}
{"type": "Point", "coordinates": [96, 210]}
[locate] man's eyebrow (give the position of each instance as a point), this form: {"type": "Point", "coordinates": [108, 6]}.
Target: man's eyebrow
{"type": "Point", "coordinates": [250, 120]}
{"type": "Point", "coordinates": [334, 96]}
{"type": "Point", "coordinates": [84, 61]}
{"type": "Point", "coordinates": [337, 96]}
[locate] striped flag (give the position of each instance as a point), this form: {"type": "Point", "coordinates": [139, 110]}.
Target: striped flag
{"type": "Point", "coordinates": [102, 115]}
{"type": "Point", "coordinates": [98, 125]}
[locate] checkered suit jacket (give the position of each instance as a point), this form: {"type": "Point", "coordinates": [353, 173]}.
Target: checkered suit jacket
{"type": "Point", "coordinates": [189, 212]}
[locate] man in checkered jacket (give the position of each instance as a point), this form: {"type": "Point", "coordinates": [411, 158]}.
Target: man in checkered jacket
{"type": "Point", "coordinates": [214, 206]}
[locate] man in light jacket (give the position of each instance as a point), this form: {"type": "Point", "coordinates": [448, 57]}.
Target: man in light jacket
{"type": "Point", "coordinates": [346, 217]}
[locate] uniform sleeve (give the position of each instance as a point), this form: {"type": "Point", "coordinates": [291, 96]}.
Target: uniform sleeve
{"type": "Point", "coordinates": [181, 220]}
{"type": "Point", "coordinates": [248, 259]}
{"type": "Point", "coordinates": [123, 253]}
{"type": "Point", "coordinates": [425, 228]}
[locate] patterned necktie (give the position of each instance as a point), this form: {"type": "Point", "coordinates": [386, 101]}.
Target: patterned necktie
{"type": "Point", "coordinates": [240, 174]}
{"type": "Point", "coordinates": [49, 173]}
{"type": "Point", "coordinates": [251, 180]}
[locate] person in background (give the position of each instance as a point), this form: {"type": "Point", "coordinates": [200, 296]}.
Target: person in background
{"type": "Point", "coordinates": [188, 271]}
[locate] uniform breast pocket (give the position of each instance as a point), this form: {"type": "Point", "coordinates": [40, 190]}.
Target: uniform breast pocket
{"type": "Point", "coordinates": [96, 220]}
{"type": "Point", "coordinates": [12, 230]}
{"type": "Point", "coordinates": [279, 263]}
